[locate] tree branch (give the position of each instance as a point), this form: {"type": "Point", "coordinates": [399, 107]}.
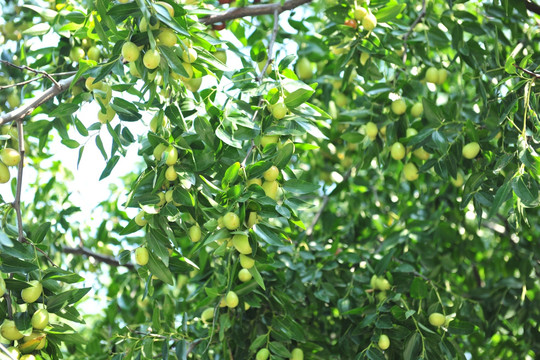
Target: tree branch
{"type": "Point", "coordinates": [25, 110]}
{"type": "Point", "coordinates": [270, 56]}
{"type": "Point", "coordinates": [24, 67]}
{"type": "Point", "coordinates": [532, 7]}
{"type": "Point", "coordinates": [254, 10]}
{"type": "Point", "coordinates": [421, 14]}
{"type": "Point", "coordinates": [4, 350]}
{"type": "Point", "coordinates": [17, 201]}
{"type": "Point", "coordinates": [528, 72]}
{"type": "Point", "coordinates": [109, 260]}
{"type": "Point", "coordinates": [326, 198]}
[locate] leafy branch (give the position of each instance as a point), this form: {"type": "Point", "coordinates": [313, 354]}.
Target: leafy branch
{"type": "Point", "coordinates": [109, 260]}
{"type": "Point", "coordinates": [254, 10]}
{"type": "Point", "coordinates": [421, 14]}
{"type": "Point", "coordinates": [24, 67]}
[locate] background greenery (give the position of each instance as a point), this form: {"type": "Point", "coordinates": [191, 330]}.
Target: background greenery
{"type": "Point", "coordinates": [345, 212]}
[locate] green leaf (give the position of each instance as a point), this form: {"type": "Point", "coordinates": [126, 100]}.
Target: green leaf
{"type": "Point", "coordinates": [503, 194]}
{"type": "Point", "coordinates": [390, 11]}
{"type": "Point", "coordinates": [460, 327]}
{"type": "Point", "coordinates": [157, 268]}
{"type": "Point", "coordinates": [410, 352]}
{"type": "Point", "coordinates": [300, 187]}
{"type": "Point", "coordinates": [284, 155]}
{"type": "Point", "coordinates": [109, 167]}
{"type": "Point", "coordinates": [56, 302]}
{"type": "Point", "coordinates": [72, 144]}
{"type": "Point", "coordinates": [418, 289]}
{"type": "Point", "coordinates": [267, 235]}
{"type": "Point", "coordinates": [527, 190]}
{"type": "Point", "coordinates": [279, 349]}
{"type": "Point", "coordinates": [374, 354]}
{"type": "Point", "coordinates": [230, 175]}
{"type": "Point", "coordinates": [257, 276]}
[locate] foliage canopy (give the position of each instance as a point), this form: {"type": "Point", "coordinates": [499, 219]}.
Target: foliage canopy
{"type": "Point", "coordinates": [342, 179]}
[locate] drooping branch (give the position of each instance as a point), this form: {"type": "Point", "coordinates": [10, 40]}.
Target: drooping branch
{"type": "Point", "coordinates": [28, 68]}
{"type": "Point", "coordinates": [109, 260]}
{"type": "Point", "coordinates": [532, 7]}
{"type": "Point", "coordinates": [25, 110]}
{"type": "Point", "coordinates": [421, 14]}
{"type": "Point", "coordinates": [17, 201]}
{"type": "Point", "coordinates": [254, 10]}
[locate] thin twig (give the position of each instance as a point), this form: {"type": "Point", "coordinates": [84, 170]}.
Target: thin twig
{"type": "Point", "coordinates": [421, 14]}
{"type": "Point", "coordinates": [39, 72]}
{"type": "Point", "coordinates": [326, 198]}
{"type": "Point", "coordinates": [4, 350]}
{"type": "Point", "coordinates": [528, 72]}
{"type": "Point", "coordinates": [98, 257]}
{"type": "Point", "coordinates": [27, 109]}
{"type": "Point", "coordinates": [254, 10]}
{"type": "Point", "coordinates": [192, 346]}
{"type": "Point", "coordinates": [270, 56]}
{"type": "Point", "coordinates": [7, 296]}
{"type": "Point", "coordinates": [21, 83]}
{"type": "Point", "coordinates": [17, 201]}
{"type": "Point", "coordinates": [532, 6]}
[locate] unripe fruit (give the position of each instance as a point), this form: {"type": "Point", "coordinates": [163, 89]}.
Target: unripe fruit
{"type": "Point", "coordinates": [410, 171]}
{"type": "Point", "coordinates": [252, 219]}
{"type": "Point", "coordinates": [244, 275]}
{"type": "Point", "coordinates": [269, 139]}
{"type": "Point", "coordinates": [279, 110]}
{"type": "Point", "coordinates": [382, 284]}
{"type": "Point", "coordinates": [76, 54]}
{"type": "Point", "coordinates": [442, 75]}
{"type": "Point", "coordinates": [167, 37]}
{"type": "Point", "coordinates": [303, 69]}
{"type": "Point", "coordinates": [94, 53]}
{"type": "Point", "coordinates": [458, 181]}
{"type": "Point", "coordinates": [246, 262]}
{"type": "Point", "coordinates": [13, 352]}
{"type": "Point", "coordinates": [271, 174]}
{"type": "Point", "coordinates": [141, 256]}
{"type": "Point", "coordinates": [471, 150]}
{"type": "Point", "coordinates": [10, 157]}
{"type": "Point", "coordinates": [384, 342]}
{"type": "Point", "coordinates": [221, 55]}
{"type": "Point", "coordinates": [241, 243]}
{"type": "Point", "coordinates": [231, 299]}
{"type": "Point", "coordinates": [399, 107]}
{"type": "Point", "coordinates": [373, 282]}
{"type": "Point", "coordinates": [411, 132]}
{"type": "Point", "coordinates": [364, 57]}
{"type": "Point", "coordinates": [169, 196]}
{"type": "Point", "coordinates": [254, 181]}
{"type": "Point", "coordinates": [231, 221]}
{"type": "Point", "coordinates": [38, 343]}
{"type": "Point", "coordinates": [104, 94]}
{"type": "Point", "coordinates": [143, 25]}
{"type": "Point", "coordinates": [170, 173]}
{"type": "Point", "coordinates": [40, 319]}
{"type": "Point", "coordinates": [421, 154]}
{"type": "Point", "coordinates": [360, 13]}
{"type": "Point", "coordinates": [297, 354]}
{"type": "Point", "coordinates": [432, 75]}
{"type": "Point", "coordinates": [130, 51]}
{"type": "Point", "coordinates": [195, 233]}
{"type": "Point", "coordinates": [4, 173]}
{"type": "Point", "coordinates": [417, 109]}
{"type": "Point", "coordinates": [2, 286]}
{"type": "Point", "coordinates": [10, 331]}
{"type": "Point", "coordinates": [261, 64]}
{"type": "Point", "coordinates": [13, 100]}
{"type": "Point", "coordinates": [369, 22]}
{"type": "Point", "coordinates": [437, 319]}
{"type": "Point", "coordinates": [151, 59]}
{"type": "Point", "coordinates": [91, 85]}
{"type": "Point", "coordinates": [193, 84]}
{"type": "Point", "coordinates": [107, 116]}
{"type": "Point", "coordinates": [397, 151]}
{"type": "Point", "coordinates": [158, 151]}
{"type": "Point", "coordinates": [162, 200]}
{"type": "Point", "coordinates": [207, 314]}
{"type": "Point", "coordinates": [28, 357]}
{"type": "Point", "coordinates": [33, 292]}
{"type": "Point", "coordinates": [140, 220]}
{"type": "Point", "coordinates": [167, 6]}
{"type": "Point", "coordinates": [172, 155]}
{"type": "Point", "coordinates": [341, 100]}
{"type": "Point", "coordinates": [262, 354]}
{"type": "Point", "coordinates": [371, 130]}
{"type": "Point", "coordinates": [134, 71]}
{"type": "Point", "coordinates": [271, 189]}
{"type": "Point", "coordinates": [189, 55]}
